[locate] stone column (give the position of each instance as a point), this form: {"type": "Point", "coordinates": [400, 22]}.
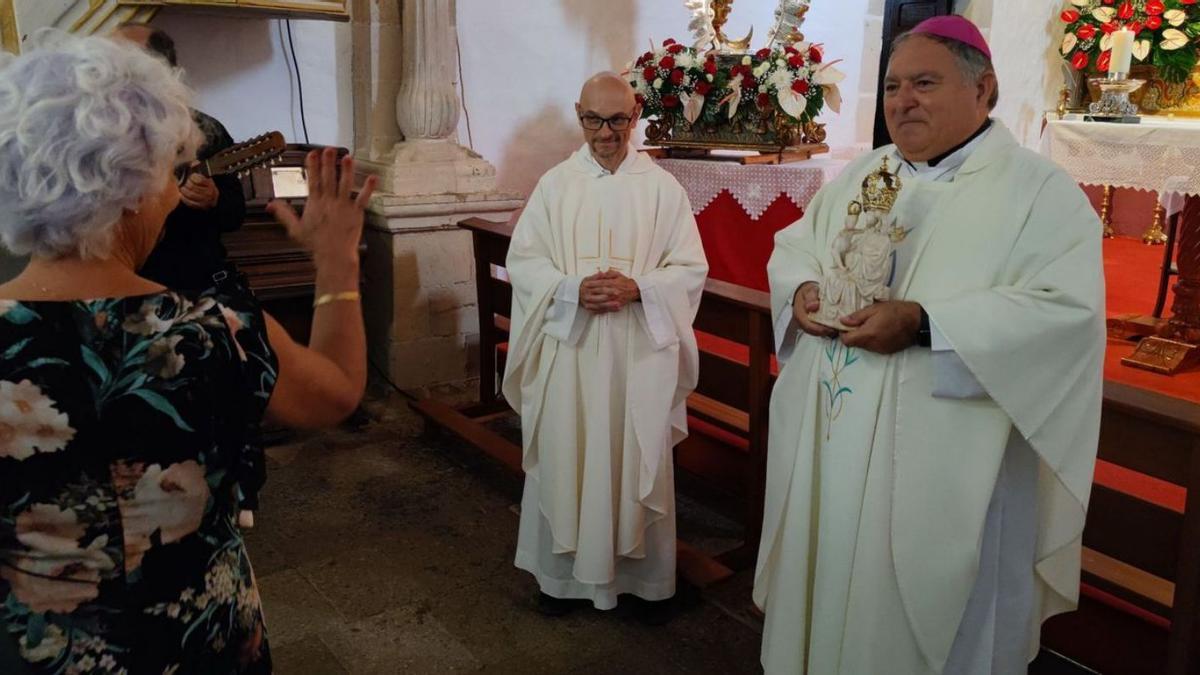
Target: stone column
{"type": "Point", "coordinates": [429, 161]}
{"type": "Point", "coordinates": [420, 302]}
{"type": "Point", "coordinates": [375, 26]}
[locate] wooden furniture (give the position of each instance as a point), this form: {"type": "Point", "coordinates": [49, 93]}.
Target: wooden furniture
{"type": "Point", "coordinates": [337, 10]}
{"type": "Point", "coordinates": [20, 19]}
{"type": "Point", "coordinates": [1169, 268]}
{"type": "Point", "coordinates": [1156, 155]}
{"type": "Point", "coordinates": [1141, 565]}
{"type": "Point", "coordinates": [280, 271]}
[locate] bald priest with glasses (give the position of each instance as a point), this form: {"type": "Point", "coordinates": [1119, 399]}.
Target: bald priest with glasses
{"type": "Point", "coordinates": [607, 272]}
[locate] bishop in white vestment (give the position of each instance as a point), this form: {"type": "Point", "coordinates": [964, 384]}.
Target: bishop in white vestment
{"type": "Point", "coordinates": [607, 271]}
{"type": "Point", "coordinates": [929, 469]}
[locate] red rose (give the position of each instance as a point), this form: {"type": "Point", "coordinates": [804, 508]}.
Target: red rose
{"type": "Point", "coordinates": [677, 77]}
{"type": "Point", "coordinates": [1103, 61]}
{"type": "Point", "coordinates": [1079, 61]}
{"type": "Point", "coordinates": [641, 100]}
{"type": "Point", "coordinates": [668, 42]}
{"type": "Point", "coordinates": [1155, 8]}
{"type": "Point", "coordinates": [1134, 26]}
{"type": "Point", "coordinates": [1069, 16]}
{"type": "Point", "coordinates": [670, 101]}
{"type": "Point", "coordinates": [1187, 2]}
{"type": "Point", "coordinates": [667, 63]}
{"type": "Point", "coordinates": [1110, 27]}
{"type": "Point", "coordinates": [1154, 22]}
{"type": "Point", "coordinates": [710, 67]}
{"type": "Point", "coordinates": [703, 88]}
{"type": "Point", "coordinates": [796, 61]}
{"type": "Point", "coordinates": [675, 49]}
{"type": "Point", "coordinates": [764, 101]}
{"type": "Point", "coordinates": [649, 74]}
{"type": "Point", "coordinates": [763, 53]}
{"type": "Point", "coordinates": [1107, 2]}
{"type": "Point", "coordinates": [814, 54]}
{"type": "Point", "coordinates": [1125, 11]}
{"type": "Point", "coordinates": [1086, 32]}
{"type": "Point", "coordinates": [749, 82]}
{"type": "Point", "coordinates": [800, 87]}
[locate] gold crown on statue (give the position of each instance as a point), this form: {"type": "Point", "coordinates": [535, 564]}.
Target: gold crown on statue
{"type": "Point", "coordinates": [880, 189]}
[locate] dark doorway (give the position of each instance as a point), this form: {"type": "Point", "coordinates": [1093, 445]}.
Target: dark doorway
{"type": "Point", "coordinates": [899, 16]}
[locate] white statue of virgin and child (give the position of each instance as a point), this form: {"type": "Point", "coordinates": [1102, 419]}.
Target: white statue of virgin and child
{"type": "Point", "coordinates": [862, 260]}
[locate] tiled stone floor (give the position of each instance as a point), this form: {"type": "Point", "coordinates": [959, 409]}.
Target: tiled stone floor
{"type": "Point", "coordinates": [380, 550]}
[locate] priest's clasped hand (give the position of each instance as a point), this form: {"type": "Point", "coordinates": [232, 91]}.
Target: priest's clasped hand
{"type": "Point", "coordinates": [884, 327]}
{"type": "Point", "coordinates": [609, 291]}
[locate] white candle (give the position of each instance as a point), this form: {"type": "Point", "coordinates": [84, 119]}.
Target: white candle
{"type": "Point", "coordinates": [1122, 51]}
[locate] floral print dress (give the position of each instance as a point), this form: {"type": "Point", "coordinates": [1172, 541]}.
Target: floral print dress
{"type": "Point", "coordinates": [124, 428]}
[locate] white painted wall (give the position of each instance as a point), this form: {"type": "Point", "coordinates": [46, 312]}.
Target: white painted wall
{"type": "Point", "coordinates": [1024, 36]}
{"type": "Point", "coordinates": [524, 61]}
{"type": "Point", "coordinates": [242, 72]}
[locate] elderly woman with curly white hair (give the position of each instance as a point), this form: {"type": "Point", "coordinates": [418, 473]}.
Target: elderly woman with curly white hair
{"type": "Point", "coordinates": [124, 406]}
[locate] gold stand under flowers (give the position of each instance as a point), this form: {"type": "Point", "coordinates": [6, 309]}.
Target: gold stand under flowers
{"type": "Point", "coordinates": [777, 137]}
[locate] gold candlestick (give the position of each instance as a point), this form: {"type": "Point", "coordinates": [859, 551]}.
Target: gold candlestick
{"type": "Point", "coordinates": [1155, 236]}
{"type": "Point", "coordinates": [1106, 211]}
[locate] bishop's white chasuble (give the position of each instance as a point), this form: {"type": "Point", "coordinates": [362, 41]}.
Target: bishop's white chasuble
{"type": "Point", "coordinates": [882, 546]}
{"type": "Point", "coordinates": [602, 396]}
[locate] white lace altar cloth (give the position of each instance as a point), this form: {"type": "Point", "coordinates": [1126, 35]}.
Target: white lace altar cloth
{"type": "Point", "coordinates": [754, 186]}
{"type": "Point", "coordinates": [1159, 155]}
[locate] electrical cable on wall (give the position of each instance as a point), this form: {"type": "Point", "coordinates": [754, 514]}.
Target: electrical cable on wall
{"type": "Point", "coordinates": [287, 63]}
{"type": "Point", "coordinates": [299, 80]}
{"type": "Point", "coordinates": [462, 88]}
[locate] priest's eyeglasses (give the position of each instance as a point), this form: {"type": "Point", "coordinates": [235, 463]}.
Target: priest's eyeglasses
{"type": "Point", "coordinates": [619, 122]}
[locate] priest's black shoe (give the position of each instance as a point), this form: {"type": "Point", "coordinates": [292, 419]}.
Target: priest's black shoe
{"type": "Point", "coordinates": [549, 605]}
{"type": "Point", "coordinates": [654, 612]}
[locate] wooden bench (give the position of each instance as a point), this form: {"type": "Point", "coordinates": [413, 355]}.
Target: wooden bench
{"type": "Point", "coordinates": [1141, 561]}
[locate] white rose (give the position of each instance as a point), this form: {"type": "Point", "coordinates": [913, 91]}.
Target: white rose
{"type": "Point", "coordinates": [746, 60]}
{"type": "Point", "coordinates": [658, 83]}
{"type": "Point", "coordinates": [709, 77]}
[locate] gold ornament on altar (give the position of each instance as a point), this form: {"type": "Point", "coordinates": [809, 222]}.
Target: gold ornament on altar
{"type": "Point", "coordinates": [721, 10]}
{"type": "Point", "coordinates": [861, 254]}
{"type": "Point", "coordinates": [717, 94]}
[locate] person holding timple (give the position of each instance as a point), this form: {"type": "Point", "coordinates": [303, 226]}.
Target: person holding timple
{"type": "Point", "coordinates": [190, 253]}
{"type": "Point", "coordinates": [929, 468]}
{"type": "Point", "coordinates": [125, 406]}
{"type": "Point", "coordinates": [607, 272]}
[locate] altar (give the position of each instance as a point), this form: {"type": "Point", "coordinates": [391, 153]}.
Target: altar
{"type": "Point", "coordinates": [739, 208]}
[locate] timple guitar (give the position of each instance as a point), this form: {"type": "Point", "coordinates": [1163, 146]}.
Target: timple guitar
{"type": "Point", "coordinates": [238, 159]}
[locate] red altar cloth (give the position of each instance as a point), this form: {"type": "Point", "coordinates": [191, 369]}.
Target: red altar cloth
{"type": "Point", "coordinates": [739, 246]}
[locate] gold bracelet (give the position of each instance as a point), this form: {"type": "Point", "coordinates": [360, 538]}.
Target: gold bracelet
{"type": "Point", "coordinates": [334, 297]}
